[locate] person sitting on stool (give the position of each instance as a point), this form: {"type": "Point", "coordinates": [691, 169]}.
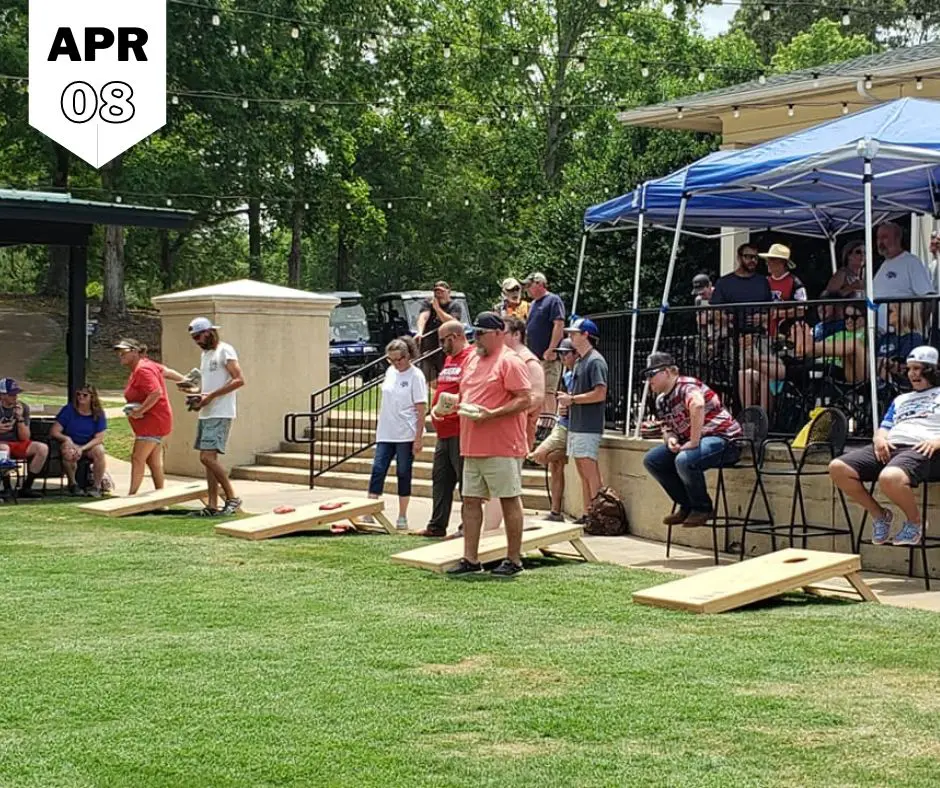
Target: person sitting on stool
{"type": "Point", "coordinates": [696, 431]}
{"type": "Point", "coordinates": [904, 453]}
{"type": "Point", "coordinates": [15, 436]}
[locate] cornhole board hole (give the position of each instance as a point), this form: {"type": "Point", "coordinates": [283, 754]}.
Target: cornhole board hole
{"type": "Point", "coordinates": [736, 585]}
{"type": "Point", "coordinates": [146, 502]}
{"type": "Point", "coordinates": [441, 556]}
{"type": "Point", "coordinates": [310, 517]}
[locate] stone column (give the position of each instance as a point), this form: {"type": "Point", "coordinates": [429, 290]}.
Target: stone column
{"type": "Point", "coordinates": [282, 337]}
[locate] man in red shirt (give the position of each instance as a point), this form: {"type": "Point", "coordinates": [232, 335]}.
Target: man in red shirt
{"type": "Point", "coordinates": [448, 464]}
{"type": "Point", "coordinates": [495, 394]}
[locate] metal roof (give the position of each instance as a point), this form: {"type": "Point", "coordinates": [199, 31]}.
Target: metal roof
{"type": "Point", "coordinates": [699, 110]}
{"type": "Point", "coordinates": [62, 208]}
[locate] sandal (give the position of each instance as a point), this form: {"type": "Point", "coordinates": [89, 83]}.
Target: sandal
{"type": "Point", "coordinates": [206, 511]}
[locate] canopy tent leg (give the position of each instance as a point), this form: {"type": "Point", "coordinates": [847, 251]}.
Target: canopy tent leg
{"type": "Point", "coordinates": [832, 254]}
{"type": "Point", "coordinates": [577, 281]}
{"type": "Point", "coordinates": [665, 303]}
{"type": "Point", "coordinates": [633, 320]}
{"type": "Point", "coordinates": [872, 323]}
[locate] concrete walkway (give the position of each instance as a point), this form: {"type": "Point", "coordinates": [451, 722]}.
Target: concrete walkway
{"type": "Point", "coordinates": [261, 497]}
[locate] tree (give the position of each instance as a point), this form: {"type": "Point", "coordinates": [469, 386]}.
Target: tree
{"type": "Point", "coordinates": [822, 43]}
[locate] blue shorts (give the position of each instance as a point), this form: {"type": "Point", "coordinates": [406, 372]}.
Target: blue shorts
{"type": "Point", "coordinates": [584, 445]}
{"type": "Point", "coordinates": [212, 435]}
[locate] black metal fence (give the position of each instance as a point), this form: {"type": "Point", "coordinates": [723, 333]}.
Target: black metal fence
{"type": "Point", "coordinates": [787, 357]}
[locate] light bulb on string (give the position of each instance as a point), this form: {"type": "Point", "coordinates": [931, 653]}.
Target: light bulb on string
{"type": "Point", "coordinates": [563, 115]}
{"type": "Point", "coordinates": [372, 41]}
{"type": "Point", "coordinates": [388, 205]}
{"type": "Point", "coordinates": [169, 203]}
{"type": "Point", "coordinates": [312, 108]}
{"type": "Point", "coordinates": [466, 202]}
{"type": "Point", "coordinates": [644, 70]}
{"type": "Point", "coordinates": [175, 100]}
{"type": "Point", "coordinates": [919, 83]}
{"type": "Point", "coordinates": [867, 82]}
{"type": "Point", "coordinates": [762, 79]}
{"type": "Point", "coordinates": [118, 198]}
{"type": "Point", "coordinates": [243, 49]}
{"type": "Point", "coordinates": [736, 112]}
{"type": "Point", "coordinates": [216, 20]}
{"type": "Point", "coordinates": [846, 18]}
{"type": "Point", "coordinates": [845, 108]}
{"type": "Point", "coordinates": [306, 206]}
{"type": "Point", "coordinates": [218, 203]}
{"type": "Point", "coordinates": [679, 113]}
{"type": "Point", "coordinates": [815, 80]}
{"type": "Point", "coordinates": [295, 32]}
{"type": "Point", "coordinates": [446, 49]}
{"type": "Point", "coordinates": [701, 75]}
{"type": "Point", "coordinates": [428, 203]}
{"type": "Point", "coordinates": [602, 3]}
{"type": "Point", "coordinates": [790, 110]}
{"type": "Point", "coordinates": [349, 206]}
{"type": "Point", "coordinates": [765, 14]}
{"type": "Point", "coordinates": [244, 103]}
{"type": "Point", "coordinates": [515, 58]}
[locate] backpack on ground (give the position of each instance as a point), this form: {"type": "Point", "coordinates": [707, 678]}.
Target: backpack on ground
{"type": "Point", "coordinates": [606, 515]}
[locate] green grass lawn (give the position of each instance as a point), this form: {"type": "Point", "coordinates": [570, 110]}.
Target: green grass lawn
{"type": "Point", "coordinates": [104, 370]}
{"type": "Point", "coordinates": [149, 652]}
{"type": "Point", "coordinates": [119, 441]}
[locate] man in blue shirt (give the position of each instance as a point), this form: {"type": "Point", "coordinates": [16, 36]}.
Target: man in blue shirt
{"type": "Point", "coordinates": [544, 331]}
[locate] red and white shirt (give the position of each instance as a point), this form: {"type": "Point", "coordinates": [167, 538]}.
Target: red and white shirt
{"type": "Point", "coordinates": [673, 409]}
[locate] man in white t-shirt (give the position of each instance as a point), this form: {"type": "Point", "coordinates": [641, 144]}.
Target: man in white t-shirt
{"type": "Point", "coordinates": [901, 275]}
{"type": "Point", "coordinates": [221, 376]}
{"type": "Point", "coordinates": [904, 453]}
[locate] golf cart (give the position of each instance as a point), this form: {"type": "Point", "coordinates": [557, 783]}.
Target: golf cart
{"type": "Point", "coordinates": [398, 312]}
{"type": "Point", "coordinates": [350, 344]}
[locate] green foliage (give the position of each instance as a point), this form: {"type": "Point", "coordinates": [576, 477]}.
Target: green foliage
{"type": "Point", "coordinates": [823, 43]}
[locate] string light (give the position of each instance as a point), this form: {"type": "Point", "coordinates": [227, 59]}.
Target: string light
{"type": "Point", "coordinates": [644, 70]}
{"type": "Point", "coordinates": [762, 79]}
{"type": "Point", "coordinates": [736, 112]}
{"type": "Point", "coordinates": [765, 14]}
{"type": "Point", "coordinates": [846, 18]}
{"type": "Point", "coordinates": [867, 82]}
{"type": "Point", "coordinates": [845, 108]}
{"type": "Point", "coordinates": [349, 206]}
{"type": "Point", "coordinates": [919, 83]}
{"type": "Point", "coordinates": [679, 113]}
{"type": "Point", "coordinates": [446, 49]}
{"type": "Point", "coordinates": [563, 115]}
{"type": "Point", "coordinates": [244, 103]}
{"type": "Point", "coordinates": [118, 198]}
{"type": "Point", "coordinates": [372, 41]}
{"type": "Point", "coordinates": [216, 20]}
{"type": "Point", "coordinates": [515, 58]}
{"type": "Point", "coordinates": [175, 100]}
{"type": "Point", "coordinates": [295, 32]}
{"type": "Point", "coordinates": [701, 76]}
{"type": "Point", "coordinates": [313, 108]}
{"type": "Point", "coordinates": [815, 80]}
{"type": "Point", "coordinates": [602, 3]}
{"type": "Point", "coordinates": [306, 206]}
{"type": "Point", "coordinates": [169, 203]}
{"type": "Point", "coordinates": [790, 110]}
{"type": "Point", "coordinates": [466, 202]}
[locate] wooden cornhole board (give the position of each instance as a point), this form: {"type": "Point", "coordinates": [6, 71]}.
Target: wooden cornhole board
{"type": "Point", "coordinates": [146, 502]}
{"type": "Point", "coordinates": [311, 517]}
{"type": "Point", "coordinates": [441, 556]}
{"type": "Point", "coordinates": [740, 584]}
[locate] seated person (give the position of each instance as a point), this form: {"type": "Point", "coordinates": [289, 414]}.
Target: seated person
{"type": "Point", "coordinates": [840, 355]}
{"type": "Point", "coordinates": [80, 428]}
{"type": "Point", "coordinates": [15, 436]}
{"type": "Point", "coordinates": [905, 452]}
{"type": "Point", "coordinates": [553, 451]}
{"type": "Point", "coordinates": [903, 335]}
{"type": "Point", "coordinates": [696, 431]}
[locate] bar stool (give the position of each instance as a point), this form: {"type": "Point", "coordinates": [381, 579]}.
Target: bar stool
{"type": "Point", "coordinates": [754, 425]}
{"type": "Point", "coordinates": [827, 435]}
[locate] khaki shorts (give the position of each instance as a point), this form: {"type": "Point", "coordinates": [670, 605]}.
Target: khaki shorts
{"type": "Point", "coordinates": [557, 440]}
{"type": "Point", "coordinates": [552, 371]}
{"type": "Point", "coordinates": [492, 477]}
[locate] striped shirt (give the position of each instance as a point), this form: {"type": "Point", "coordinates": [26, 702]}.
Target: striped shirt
{"type": "Point", "coordinates": [673, 409]}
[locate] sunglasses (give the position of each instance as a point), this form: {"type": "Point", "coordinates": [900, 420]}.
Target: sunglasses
{"type": "Point", "coordinates": [396, 359]}
{"type": "Point", "coordinates": [852, 315]}
{"type": "Point", "coordinates": [652, 373]}
{"type": "Point", "coordinates": [83, 394]}
{"type": "Point", "coordinates": [748, 256]}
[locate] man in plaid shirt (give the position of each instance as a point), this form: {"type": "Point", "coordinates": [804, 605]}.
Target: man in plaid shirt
{"type": "Point", "coordinates": [696, 431]}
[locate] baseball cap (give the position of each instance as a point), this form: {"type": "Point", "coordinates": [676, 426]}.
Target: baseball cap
{"type": "Point", "coordinates": [511, 283]}
{"type": "Point", "coordinates": [489, 321]}
{"type": "Point", "coordinates": [536, 277]}
{"type": "Point", "coordinates": [657, 361]}
{"type": "Point", "coordinates": [925, 354]}
{"type": "Point", "coordinates": [700, 282]}
{"type": "Point", "coordinates": [130, 344]}
{"type": "Point", "coordinates": [201, 324]}
{"type": "Point", "coordinates": [9, 386]}
{"type": "Point", "coordinates": [441, 285]}
{"type": "Point", "coordinates": [565, 346]}
{"type": "Point", "coordinates": [584, 325]}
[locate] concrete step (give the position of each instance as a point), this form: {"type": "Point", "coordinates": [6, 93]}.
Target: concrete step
{"type": "Point", "coordinates": [353, 435]}
{"type": "Point", "coordinates": [356, 481]}
{"type": "Point", "coordinates": [533, 479]}
{"type": "Point", "coordinates": [334, 449]}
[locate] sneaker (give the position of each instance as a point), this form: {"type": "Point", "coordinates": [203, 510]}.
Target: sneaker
{"type": "Point", "coordinates": [507, 569]}
{"type": "Point", "coordinates": [554, 517]}
{"type": "Point", "coordinates": [207, 511]}
{"type": "Point", "coordinates": [909, 535]}
{"type": "Point", "coordinates": [430, 533]}
{"type": "Point", "coordinates": [230, 507]}
{"type": "Point", "coordinates": [465, 567]}
{"type": "Point", "coordinates": [881, 528]}
{"type": "Point", "coordinates": [676, 518]}
{"type": "Point", "coordinates": [94, 492]}
{"type": "Point", "coordinates": [401, 524]}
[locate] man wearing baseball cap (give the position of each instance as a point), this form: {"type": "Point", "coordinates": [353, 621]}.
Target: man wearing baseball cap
{"type": "Point", "coordinates": [905, 452]}
{"type": "Point", "coordinates": [440, 308]}
{"type": "Point", "coordinates": [15, 436]}
{"type": "Point", "coordinates": [512, 304]}
{"type": "Point", "coordinates": [586, 407]}
{"type": "Point", "coordinates": [544, 330]}
{"type": "Point", "coordinates": [221, 377]}
{"type": "Point", "coordinates": [495, 393]}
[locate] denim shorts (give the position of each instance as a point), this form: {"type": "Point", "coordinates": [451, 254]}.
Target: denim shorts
{"type": "Point", "coordinates": [212, 435]}
{"type": "Point", "coordinates": [584, 445]}
{"type": "Point", "coordinates": [149, 438]}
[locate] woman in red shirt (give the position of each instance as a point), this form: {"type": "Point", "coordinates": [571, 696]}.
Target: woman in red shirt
{"type": "Point", "coordinates": [150, 417]}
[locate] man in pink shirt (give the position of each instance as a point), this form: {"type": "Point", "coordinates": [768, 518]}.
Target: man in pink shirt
{"type": "Point", "coordinates": [495, 393]}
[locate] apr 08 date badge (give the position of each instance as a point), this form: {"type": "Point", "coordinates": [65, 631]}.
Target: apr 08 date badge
{"type": "Point", "coordinates": [97, 73]}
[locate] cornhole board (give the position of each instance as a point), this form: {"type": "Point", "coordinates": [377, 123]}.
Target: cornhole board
{"type": "Point", "coordinates": [736, 585]}
{"type": "Point", "coordinates": [441, 556]}
{"type": "Point", "coordinates": [146, 502]}
{"type": "Point", "coordinates": [310, 517]}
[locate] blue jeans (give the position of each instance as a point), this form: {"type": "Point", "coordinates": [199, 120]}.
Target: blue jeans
{"type": "Point", "coordinates": [404, 457]}
{"type": "Point", "coordinates": [682, 475]}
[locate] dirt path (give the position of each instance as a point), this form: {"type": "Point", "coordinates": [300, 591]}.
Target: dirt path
{"type": "Point", "coordinates": [24, 336]}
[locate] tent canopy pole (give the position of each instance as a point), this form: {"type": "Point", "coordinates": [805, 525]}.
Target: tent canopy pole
{"type": "Point", "coordinates": [633, 321]}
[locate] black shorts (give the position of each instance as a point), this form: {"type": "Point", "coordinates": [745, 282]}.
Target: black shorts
{"type": "Point", "coordinates": [432, 366]}
{"type": "Point", "coordinates": [918, 467]}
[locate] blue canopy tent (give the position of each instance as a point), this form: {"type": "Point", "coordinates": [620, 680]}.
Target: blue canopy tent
{"type": "Point", "coordinates": [891, 150]}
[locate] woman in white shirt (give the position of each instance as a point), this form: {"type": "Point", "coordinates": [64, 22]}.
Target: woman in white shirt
{"type": "Point", "coordinates": [400, 431]}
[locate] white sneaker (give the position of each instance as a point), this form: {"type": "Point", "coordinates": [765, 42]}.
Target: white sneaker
{"type": "Point", "coordinates": [401, 524]}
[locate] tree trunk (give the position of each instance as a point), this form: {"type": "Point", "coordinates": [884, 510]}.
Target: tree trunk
{"type": "Point", "coordinates": [166, 261]}
{"type": "Point", "coordinates": [297, 232]}
{"type": "Point", "coordinates": [254, 240]}
{"type": "Point", "coordinates": [343, 260]}
{"type": "Point", "coordinates": [113, 304]}
{"type": "Point", "coordinates": [57, 274]}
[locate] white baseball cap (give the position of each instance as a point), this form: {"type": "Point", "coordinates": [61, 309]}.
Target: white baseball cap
{"type": "Point", "coordinates": [925, 354]}
{"type": "Point", "coordinates": [201, 324]}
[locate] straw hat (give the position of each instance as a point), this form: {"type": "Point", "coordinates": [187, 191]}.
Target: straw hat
{"type": "Point", "coordinates": [779, 251]}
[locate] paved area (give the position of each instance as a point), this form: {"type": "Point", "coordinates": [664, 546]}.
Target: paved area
{"type": "Point", "coordinates": [261, 497]}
